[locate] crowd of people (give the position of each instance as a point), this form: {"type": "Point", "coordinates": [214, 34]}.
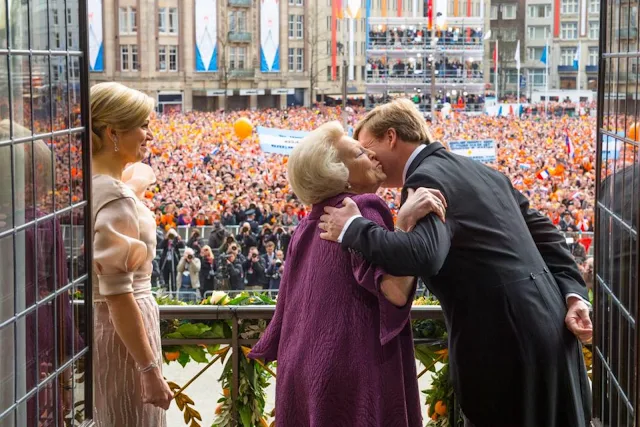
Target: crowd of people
{"type": "Point", "coordinates": [206, 176]}
{"type": "Point", "coordinates": [455, 71]}
{"type": "Point", "coordinates": [419, 37]}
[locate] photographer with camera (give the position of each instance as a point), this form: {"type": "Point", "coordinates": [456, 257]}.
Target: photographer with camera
{"type": "Point", "coordinates": [270, 254]}
{"type": "Point", "coordinates": [234, 271]}
{"type": "Point", "coordinates": [255, 270]}
{"type": "Point", "coordinates": [207, 270]}
{"type": "Point", "coordinates": [170, 247]}
{"type": "Point", "coordinates": [275, 270]}
{"type": "Point", "coordinates": [266, 237]}
{"type": "Point", "coordinates": [246, 238]}
{"type": "Point", "coordinates": [282, 239]}
{"type": "Point", "coordinates": [189, 272]}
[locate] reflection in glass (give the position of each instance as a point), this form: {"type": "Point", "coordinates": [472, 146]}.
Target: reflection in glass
{"type": "Point", "coordinates": [62, 156]}
{"type": "Point", "coordinates": [23, 182]}
{"type": "Point", "coordinates": [60, 92]}
{"type": "Point", "coordinates": [3, 32]}
{"type": "Point", "coordinates": [77, 176]}
{"type": "Point", "coordinates": [39, 25]}
{"type": "Point", "coordinates": [41, 94]}
{"type": "Point", "coordinates": [19, 23]}
{"type": "Point", "coordinates": [21, 95]}
{"type": "Point", "coordinates": [74, 90]}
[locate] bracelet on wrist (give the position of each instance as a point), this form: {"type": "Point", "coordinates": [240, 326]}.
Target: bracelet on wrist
{"type": "Point", "coordinates": [149, 368]}
{"type": "Point", "coordinates": [399, 230]}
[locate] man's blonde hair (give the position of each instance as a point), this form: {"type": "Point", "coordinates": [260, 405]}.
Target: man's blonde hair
{"type": "Point", "coordinates": [401, 115]}
{"type": "Point", "coordinates": [315, 169]}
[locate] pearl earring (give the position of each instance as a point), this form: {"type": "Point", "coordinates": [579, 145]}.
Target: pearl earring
{"type": "Point", "coordinates": [348, 186]}
{"type": "Point", "coordinates": [115, 144]}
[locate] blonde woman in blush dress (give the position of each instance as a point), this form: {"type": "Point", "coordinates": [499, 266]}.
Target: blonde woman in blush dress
{"type": "Point", "coordinates": [130, 390]}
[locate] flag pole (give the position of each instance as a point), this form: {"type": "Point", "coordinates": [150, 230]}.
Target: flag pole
{"type": "Point", "coordinates": [546, 95]}
{"type": "Point", "coordinates": [495, 77]}
{"type": "Point", "coordinates": [579, 57]}
{"type": "Point", "coordinates": [518, 67]}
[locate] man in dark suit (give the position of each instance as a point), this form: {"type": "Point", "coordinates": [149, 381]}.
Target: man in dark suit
{"type": "Point", "coordinates": [513, 298]}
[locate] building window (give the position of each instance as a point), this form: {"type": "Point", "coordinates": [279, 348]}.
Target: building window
{"type": "Point", "coordinates": [168, 20]}
{"type": "Point", "coordinates": [567, 82]}
{"type": "Point", "coordinates": [593, 56]}
{"type": "Point", "coordinates": [237, 58]}
{"type": "Point", "coordinates": [534, 53]}
{"type": "Point", "coordinates": [135, 65]}
{"type": "Point", "coordinates": [540, 11]}
{"type": "Point", "coordinates": [299, 2]}
{"type": "Point", "coordinates": [299, 26]}
{"type": "Point", "coordinates": [173, 58]}
{"type": "Point", "coordinates": [124, 58]}
{"type": "Point", "coordinates": [54, 16]}
{"type": "Point", "coordinates": [299, 59]}
{"type": "Point", "coordinates": [70, 39]}
{"type": "Point", "coordinates": [292, 25]}
{"type": "Point", "coordinates": [566, 55]}
{"type": "Point", "coordinates": [162, 58]}
{"type": "Point", "coordinates": [329, 73]}
{"type": "Point", "coordinates": [594, 6]}
{"type": "Point", "coordinates": [509, 35]}
{"type": "Point", "coordinates": [128, 22]}
{"type": "Point", "coordinates": [69, 17]}
{"type": "Point", "coordinates": [328, 23]}
{"type": "Point", "coordinates": [569, 31]}
{"type": "Point", "coordinates": [509, 11]}
{"type": "Point", "coordinates": [494, 12]}
{"type": "Point", "coordinates": [594, 30]}
{"type": "Point", "coordinates": [568, 7]}
{"type": "Point", "coordinates": [291, 58]}
{"type": "Point", "coordinates": [238, 21]}
{"type": "Point", "coordinates": [173, 20]}
{"type": "Point", "coordinates": [57, 40]}
{"type": "Point", "coordinates": [537, 78]}
{"type": "Point", "coordinates": [539, 32]}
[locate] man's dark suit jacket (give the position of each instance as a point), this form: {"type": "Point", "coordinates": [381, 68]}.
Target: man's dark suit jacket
{"type": "Point", "coordinates": [501, 272]}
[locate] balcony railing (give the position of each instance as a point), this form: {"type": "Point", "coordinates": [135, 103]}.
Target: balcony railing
{"type": "Point", "coordinates": [242, 73]}
{"type": "Point", "coordinates": [237, 343]}
{"type": "Point", "coordinates": [627, 33]}
{"type": "Point", "coordinates": [424, 76]}
{"type": "Point", "coordinates": [240, 3]}
{"type": "Point", "coordinates": [382, 42]}
{"type": "Point", "coordinates": [591, 68]}
{"type": "Point", "coordinates": [566, 69]}
{"type": "Point", "coordinates": [239, 37]}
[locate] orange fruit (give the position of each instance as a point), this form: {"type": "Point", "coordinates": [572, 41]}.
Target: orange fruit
{"type": "Point", "coordinates": [441, 408]}
{"type": "Point", "coordinates": [226, 392]}
{"type": "Point", "coordinates": [172, 355]}
{"type": "Point", "coordinates": [219, 409]}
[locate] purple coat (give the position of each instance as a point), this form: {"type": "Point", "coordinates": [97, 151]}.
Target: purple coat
{"type": "Point", "coordinates": [345, 353]}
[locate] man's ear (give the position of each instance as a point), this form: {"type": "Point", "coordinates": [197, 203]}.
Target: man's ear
{"type": "Point", "coordinates": [392, 138]}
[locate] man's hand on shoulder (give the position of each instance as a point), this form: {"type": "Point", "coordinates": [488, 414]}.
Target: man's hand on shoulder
{"type": "Point", "coordinates": [334, 220]}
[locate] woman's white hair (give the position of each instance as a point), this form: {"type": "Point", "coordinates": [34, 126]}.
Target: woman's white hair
{"type": "Point", "coordinates": [315, 170]}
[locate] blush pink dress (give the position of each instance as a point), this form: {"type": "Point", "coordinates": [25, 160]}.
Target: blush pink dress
{"type": "Point", "coordinates": [124, 245]}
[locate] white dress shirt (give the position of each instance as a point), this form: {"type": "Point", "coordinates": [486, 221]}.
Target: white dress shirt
{"type": "Point", "coordinates": [412, 157]}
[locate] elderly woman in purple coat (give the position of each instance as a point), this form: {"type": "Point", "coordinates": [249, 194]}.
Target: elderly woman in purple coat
{"type": "Point", "coordinates": [341, 332]}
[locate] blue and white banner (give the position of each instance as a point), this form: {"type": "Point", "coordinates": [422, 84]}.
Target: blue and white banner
{"type": "Point", "coordinates": [206, 36]}
{"type": "Point", "coordinates": [279, 141]}
{"type": "Point", "coordinates": [611, 147]}
{"type": "Point", "coordinates": [482, 151]}
{"type": "Point", "coordinates": [270, 36]}
{"type": "Point", "coordinates": [96, 50]}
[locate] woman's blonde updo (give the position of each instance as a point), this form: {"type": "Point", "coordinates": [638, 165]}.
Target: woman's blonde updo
{"type": "Point", "coordinates": [118, 106]}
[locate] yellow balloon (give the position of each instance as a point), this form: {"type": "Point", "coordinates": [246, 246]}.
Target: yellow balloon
{"type": "Point", "coordinates": [243, 128]}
